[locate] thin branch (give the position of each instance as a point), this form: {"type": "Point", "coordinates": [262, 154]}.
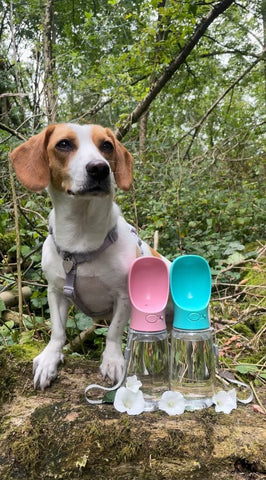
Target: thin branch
{"type": "Point", "coordinates": [15, 56]}
{"type": "Point", "coordinates": [168, 73]}
{"type": "Point", "coordinates": [99, 106]}
{"type": "Point", "coordinates": [14, 95]}
{"type": "Point", "coordinates": [12, 131]}
{"type": "Point", "coordinates": [214, 105]}
{"type": "Point", "coordinates": [49, 63]}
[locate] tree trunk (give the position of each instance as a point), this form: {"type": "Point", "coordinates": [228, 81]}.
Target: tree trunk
{"type": "Point", "coordinates": [263, 11]}
{"type": "Point", "coordinates": [10, 297]}
{"type": "Point", "coordinates": [49, 63]}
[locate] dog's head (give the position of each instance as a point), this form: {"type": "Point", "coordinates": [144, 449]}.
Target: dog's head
{"type": "Point", "coordinates": [75, 159]}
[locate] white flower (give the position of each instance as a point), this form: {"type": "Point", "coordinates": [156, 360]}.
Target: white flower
{"type": "Point", "coordinates": [172, 403]}
{"type": "Point", "coordinates": [133, 384]}
{"type": "Point", "coordinates": [225, 401]}
{"type": "Point", "coordinates": [128, 401]}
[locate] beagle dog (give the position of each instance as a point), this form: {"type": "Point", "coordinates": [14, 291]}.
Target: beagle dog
{"type": "Point", "coordinates": [90, 247]}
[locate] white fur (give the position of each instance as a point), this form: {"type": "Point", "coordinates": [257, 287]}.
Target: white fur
{"type": "Point", "coordinates": [80, 223]}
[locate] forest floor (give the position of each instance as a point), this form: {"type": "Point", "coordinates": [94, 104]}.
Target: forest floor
{"type": "Point", "coordinates": [56, 434]}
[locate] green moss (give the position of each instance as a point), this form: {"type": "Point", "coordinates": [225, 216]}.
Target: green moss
{"type": "Point", "coordinates": [244, 330]}
{"type": "Point", "coordinates": [254, 358]}
{"type": "Point", "coordinates": [255, 276]}
{"type": "Point", "coordinates": [7, 379]}
{"type": "Point", "coordinates": [26, 352]}
{"type": "Point", "coordinates": [12, 359]}
{"type": "Point", "coordinates": [26, 449]}
{"type": "Point", "coordinates": [257, 322]}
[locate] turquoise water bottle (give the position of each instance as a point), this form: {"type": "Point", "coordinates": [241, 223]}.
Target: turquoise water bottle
{"type": "Point", "coordinates": [192, 362]}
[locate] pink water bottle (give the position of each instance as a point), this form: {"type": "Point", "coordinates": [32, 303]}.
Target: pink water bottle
{"type": "Point", "coordinates": [147, 351]}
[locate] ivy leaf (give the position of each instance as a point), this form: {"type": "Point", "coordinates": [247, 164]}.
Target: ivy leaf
{"type": "Point", "coordinates": [245, 368]}
{"type": "Point", "coordinates": [235, 258]}
{"type": "Point", "coordinates": [83, 322]}
{"type": "Point", "coordinates": [109, 397]}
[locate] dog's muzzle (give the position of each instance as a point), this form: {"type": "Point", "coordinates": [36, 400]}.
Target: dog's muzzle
{"type": "Point", "coordinates": [98, 181]}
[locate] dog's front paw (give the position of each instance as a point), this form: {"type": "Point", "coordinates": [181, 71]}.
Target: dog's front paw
{"type": "Point", "coordinates": [45, 367]}
{"type": "Point", "coordinates": [112, 365]}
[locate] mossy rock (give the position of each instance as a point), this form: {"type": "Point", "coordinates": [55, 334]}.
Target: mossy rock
{"type": "Point", "coordinates": [13, 361]}
{"type": "Point", "coordinates": [56, 435]}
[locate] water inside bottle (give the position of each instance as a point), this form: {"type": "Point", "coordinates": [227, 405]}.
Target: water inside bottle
{"type": "Point", "coordinates": [192, 367]}
{"type": "Point", "coordinates": [149, 361]}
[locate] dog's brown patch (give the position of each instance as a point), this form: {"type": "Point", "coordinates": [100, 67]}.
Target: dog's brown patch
{"type": "Point", "coordinates": [154, 252]}
{"type": "Point", "coordinates": [120, 160]}
{"type": "Point", "coordinates": [59, 160]}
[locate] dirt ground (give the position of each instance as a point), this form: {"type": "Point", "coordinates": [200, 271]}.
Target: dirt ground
{"type": "Point", "coordinates": [56, 434]}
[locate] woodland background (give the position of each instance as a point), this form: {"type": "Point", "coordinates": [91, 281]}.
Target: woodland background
{"type": "Point", "coordinates": [183, 85]}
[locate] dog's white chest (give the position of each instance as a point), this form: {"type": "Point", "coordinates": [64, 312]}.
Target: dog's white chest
{"type": "Point", "coordinates": [94, 293]}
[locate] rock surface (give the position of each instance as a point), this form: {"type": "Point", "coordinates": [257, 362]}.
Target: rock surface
{"type": "Point", "coordinates": [56, 435]}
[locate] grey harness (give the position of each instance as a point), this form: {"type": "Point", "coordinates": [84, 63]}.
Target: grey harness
{"type": "Point", "coordinates": [70, 264]}
{"type": "Point", "coordinates": [72, 260]}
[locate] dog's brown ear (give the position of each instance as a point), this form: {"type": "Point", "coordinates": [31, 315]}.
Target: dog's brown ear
{"type": "Point", "coordinates": [123, 164]}
{"type": "Point", "coordinates": [31, 163]}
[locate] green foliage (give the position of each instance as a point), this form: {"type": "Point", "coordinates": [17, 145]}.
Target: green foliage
{"type": "Point", "coordinates": [202, 189]}
{"type": "Point", "coordinates": [78, 322]}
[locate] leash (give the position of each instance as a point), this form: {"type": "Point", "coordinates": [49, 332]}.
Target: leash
{"type": "Point", "coordinates": [225, 376]}
{"type": "Point", "coordinates": [118, 384]}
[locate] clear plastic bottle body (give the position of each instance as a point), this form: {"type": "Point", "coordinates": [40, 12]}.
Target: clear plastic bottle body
{"type": "Point", "coordinates": [148, 359]}
{"type": "Point", "coordinates": [192, 366]}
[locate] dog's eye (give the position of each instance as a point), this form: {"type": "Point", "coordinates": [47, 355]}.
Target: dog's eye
{"type": "Point", "coordinates": [65, 145]}
{"type": "Point", "coordinates": [106, 147]}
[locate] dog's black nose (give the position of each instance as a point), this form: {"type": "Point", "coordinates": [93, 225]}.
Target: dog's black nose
{"type": "Point", "coordinates": [98, 170]}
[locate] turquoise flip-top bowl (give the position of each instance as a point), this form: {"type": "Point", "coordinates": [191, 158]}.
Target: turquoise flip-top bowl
{"type": "Point", "coordinates": [190, 284]}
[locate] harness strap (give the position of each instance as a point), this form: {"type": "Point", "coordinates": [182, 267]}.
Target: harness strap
{"type": "Point", "coordinates": [139, 241]}
{"type": "Point", "coordinates": [70, 264]}
{"type": "Point", "coordinates": [77, 258]}
{"type": "Point", "coordinates": [72, 260]}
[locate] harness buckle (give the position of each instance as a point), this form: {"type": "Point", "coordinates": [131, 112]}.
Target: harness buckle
{"type": "Point", "coordinates": [68, 290]}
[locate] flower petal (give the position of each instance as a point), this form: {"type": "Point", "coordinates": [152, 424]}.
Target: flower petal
{"type": "Point", "coordinates": [225, 401]}
{"type": "Point", "coordinates": [133, 384]}
{"type": "Point", "coordinates": [128, 401]}
{"type": "Point", "coordinates": [137, 405]}
{"type": "Point", "coordinates": [119, 400]}
{"type": "Point", "coordinates": [172, 403]}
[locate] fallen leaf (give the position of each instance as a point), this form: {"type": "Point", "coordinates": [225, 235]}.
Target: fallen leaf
{"type": "Point", "coordinates": [259, 409]}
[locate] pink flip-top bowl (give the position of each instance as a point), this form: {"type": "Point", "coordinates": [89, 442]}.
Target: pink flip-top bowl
{"type": "Point", "coordinates": [148, 285]}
